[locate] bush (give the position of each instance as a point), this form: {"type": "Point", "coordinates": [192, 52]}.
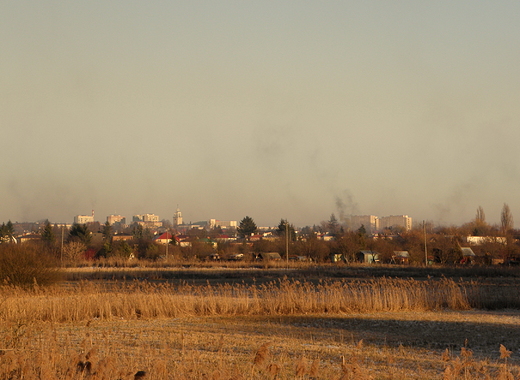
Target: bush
{"type": "Point", "coordinates": [27, 265]}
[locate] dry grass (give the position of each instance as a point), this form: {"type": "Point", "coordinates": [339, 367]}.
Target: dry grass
{"type": "Point", "coordinates": [378, 329]}
{"type": "Point", "coordinates": [163, 300]}
{"type": "Point", "coordinates": [310, 347]}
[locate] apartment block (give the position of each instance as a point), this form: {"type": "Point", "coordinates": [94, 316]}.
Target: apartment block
{"type": "Point", "coordinates": [222, 223]}
{"type": "Point", "coordinates": [111, 219]}
{"type": "Point", "coordinates": [403, 221]}
{"type": "Point", "coordinates": [370, 222]}
{"type": "Point", "coordinates": [84, 219]}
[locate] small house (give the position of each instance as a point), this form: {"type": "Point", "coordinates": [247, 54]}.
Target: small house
{"type": "Point", "coordinates": [467, 255]}
{"type": "Point", "coordinates": [368, 257]}
{"type": "Point", "coordinates": [401, 257]}
{"type": "Point", "coordinates": [269, 256]}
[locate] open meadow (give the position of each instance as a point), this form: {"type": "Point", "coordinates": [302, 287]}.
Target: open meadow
{"type": "Point", "coordinates": [263, 323]}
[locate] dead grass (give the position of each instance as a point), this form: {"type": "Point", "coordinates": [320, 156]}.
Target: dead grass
{"type": "Point", "coordinates": [255, 347]}
{"type": "Point", "coordinates": [385, 329]}
{"type": "Point", "coordinates": [134, 300]}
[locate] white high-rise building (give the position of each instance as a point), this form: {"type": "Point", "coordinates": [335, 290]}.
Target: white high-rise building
{"type": "Point", "coordinates": [222, 223]}
{"type": "Point", "coordinates": [111, 219]}
{"type": "Point", "coordinates": [370, 222]}
{"type": "Point", "coordinates": [403, 221]}
{"type": "Point", "coordinates": [147, 220]}
{"type": "Point", "coordinates": [83, 219]}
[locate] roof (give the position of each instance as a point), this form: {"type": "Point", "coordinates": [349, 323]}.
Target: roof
{"type": "Point", "coordinates": [270, 256]}
{"type": "Point", "coordinates": [403, 254]}
{"type": "Point", "coordinates": [467, 251]}
{"type": "Point", "coordinates": [166, 236]}
{"type": "Point", "coordinates": [369, 252]}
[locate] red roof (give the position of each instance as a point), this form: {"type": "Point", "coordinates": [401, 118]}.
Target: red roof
{"type": "Point", "coordinates": [166, 235]}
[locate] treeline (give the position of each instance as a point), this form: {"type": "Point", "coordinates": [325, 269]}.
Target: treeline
{"type": "Point", "coordinates": [437, 245]}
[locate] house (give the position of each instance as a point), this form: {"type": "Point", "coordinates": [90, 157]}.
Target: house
{"type": "Point", "coordinates": [369, 257]}
{"type": "Point", "coordinates": [467, 255]}
{"type": "Point", "coordinates": [401, 257]}
{"type": "Point", "coordinates": [269, 256]}
{"type": "Point", "coordinates": [210, 242]}
{"type": "Point", "coordinates": [478, 240]}
{"type": "Point", "coordinates": [236, 257]}
{"type": "Point", "coordinates": [225, 238]}
{"type": "Point", "coordinates": [28, 237]}
{"type": "Point", "coordinates": [299, 258]}
{"type": "Point", "coordinates": [166, 238]}
{"type": "Point", "coordinates": [336, 258]}
{"type": "Point", "coordinates": [122, 237]}
{"type": "Point", "coordinates": [326, 237]}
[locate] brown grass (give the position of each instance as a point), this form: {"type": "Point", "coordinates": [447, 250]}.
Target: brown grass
{"type": "Point", "coordinates": [249, 348]}
{"type": "Point", "coordinates": [136, 300]}
{"type": "Point", "coordinates": [377, 329]}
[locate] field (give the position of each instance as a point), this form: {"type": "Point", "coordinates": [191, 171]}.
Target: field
{"type": "Point", "coordinates": [263, 323]}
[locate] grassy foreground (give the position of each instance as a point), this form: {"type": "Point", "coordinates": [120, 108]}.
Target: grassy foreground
{"type": "Point", "coordinates": [391, 345]}
{"type": "Point", "coordinates": [377, 329]}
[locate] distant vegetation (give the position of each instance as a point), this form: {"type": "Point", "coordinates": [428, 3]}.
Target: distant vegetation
{"type": "Point", "coordinates": [27, 265]}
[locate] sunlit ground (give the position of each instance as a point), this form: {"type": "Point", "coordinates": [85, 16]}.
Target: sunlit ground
{"type": "Point", "coordinates": [375, 345]}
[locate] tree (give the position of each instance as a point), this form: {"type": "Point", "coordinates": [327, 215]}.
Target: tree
{"type": "Point", "coordinates": [311, 247]}
{"type": "Point", "coordinates": [47, 234]}
{"type": "Point", "coordinates": [26, 265]}
{"type": "Point", "coordinates": [333, 225]}
{"type": "Point", "coordinates": [347, 245]}
{"type": "Point", "coordinates": [246, 227]}
{"type": "Point", "coordinates": [80, 233]}
{"type": "Point", "coordinates": [107, 235]}
{"type": "Point", "coordinates": [7, 233]}
{"type": "Point", "coordinates": [283, 227]}
{"type": "Point", "coordinates": [480, 218]}
{"type": "Point", "coordinates": [74, 251]}
{"type": "Point", "coordinates": [137, 231]}
{"type": "Point", "coordinates": [107, 240]}
{"type": "Point", "coordinates": [506, 219]}
{"type": "Point", "coordinates": [122, 249]}
{"type": "Point", "coordinates": [480, 227]}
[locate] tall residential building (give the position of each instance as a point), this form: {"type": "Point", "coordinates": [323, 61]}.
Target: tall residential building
{"type": "Point", "coordinates": [111, 219]}
{"type": "Point", "coordinates": [222, 223]}
{"type": "Point", "coordinates": [147, 220]}
{"type": "Point", "coordinates": [403, 221]}
{"type": "Point", "coordinates": [370, 222]}
{"type": "Point", "coordinates": [83, 219]}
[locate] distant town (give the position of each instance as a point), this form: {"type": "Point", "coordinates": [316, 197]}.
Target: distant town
{"type": "Point", "coordinates": [372, 224]}
{"type": "Point", "coordinates": [356, 238]}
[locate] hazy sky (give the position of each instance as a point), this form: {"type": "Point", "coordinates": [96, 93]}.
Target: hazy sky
{"type": "Point", "coordinates": [272, 109]}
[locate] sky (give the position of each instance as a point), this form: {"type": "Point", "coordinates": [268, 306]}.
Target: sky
{"type": "Point", "coordinates": [270, 109]}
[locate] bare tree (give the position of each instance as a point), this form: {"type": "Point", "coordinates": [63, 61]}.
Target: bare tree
{"type": "Point", "coordinates": [480, 218]}
{"type": "Point", "coordinates": [480, 227]}
{"type": "Point", "coordinates": [506, 219]}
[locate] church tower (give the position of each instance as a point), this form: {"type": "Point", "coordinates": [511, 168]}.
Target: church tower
{"type": "Point", "coordinates": [177, 218]}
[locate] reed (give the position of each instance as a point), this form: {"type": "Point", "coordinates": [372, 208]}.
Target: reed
{"type": "Point", "coordinates": [134, 300]}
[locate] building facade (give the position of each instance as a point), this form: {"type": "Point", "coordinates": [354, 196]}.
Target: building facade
{"type": "Point", "coordinates": [369, 222]}
{"type": "Point", "coordinates": [84, 219]}
{"type": "Point", "coordinates": [112, 219]}
{"type": "Point", "coordinates": [147, 220]}
{"type": "Point", "coordinates": [222, 223]}
{"type": "Point", "coordinates": [177, 218]}
{"type": "Point", "coordinates": [403, 221]}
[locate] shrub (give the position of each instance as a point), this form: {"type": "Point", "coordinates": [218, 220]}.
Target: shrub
{"type": "Point", "coordinates": [26, 265]}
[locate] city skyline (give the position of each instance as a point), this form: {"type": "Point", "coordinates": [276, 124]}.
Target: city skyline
{"type": "Point", "coordinates": [273, 110]}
